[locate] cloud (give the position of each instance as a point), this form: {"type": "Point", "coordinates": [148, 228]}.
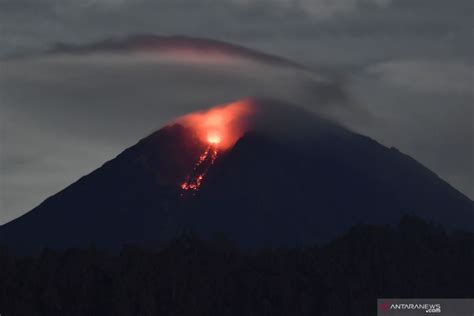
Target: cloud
{"type": "Point", "coordinates": [351, 30]}
{"type": "Point", "coordinates": [178, 48]}
{"type": "Point", "coordinates": [53, 95]}
{"type": "Point", "coordinates": [429, 76]}
{"type": "Point", "coordinates": [424, 108]}
{"type": "Point", "coordinates": [318, 9]}
{"type": "Point", "coordinates": [329, 8]}
{"type": "Point", "coordinates": [69, 110]}
{"type": "Point", "coordinates": [36, 162]}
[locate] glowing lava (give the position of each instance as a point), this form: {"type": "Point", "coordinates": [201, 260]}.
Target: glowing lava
{"type": "Point", "coordinates": [206, 160]}
{"type": "Point", "coordinates": [221, 125]}
{"type": "Point", "coordinates": [219, 128]}
{"type": "Point", "coordinates": [214, 139]}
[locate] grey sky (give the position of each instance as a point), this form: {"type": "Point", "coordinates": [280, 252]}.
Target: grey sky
{"type": "Point", "coordinates": [406, 65]}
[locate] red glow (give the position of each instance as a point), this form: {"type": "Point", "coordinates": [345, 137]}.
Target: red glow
{"type": "Point", "coordinates": [206, 160]}
{"type": "Point", "coordinates": [221, 125]}
{"type": "Point", "coordinates": [214, 138]}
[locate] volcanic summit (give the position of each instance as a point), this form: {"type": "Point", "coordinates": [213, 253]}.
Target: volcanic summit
{"type": "Point", "coordinates": [242, 170]}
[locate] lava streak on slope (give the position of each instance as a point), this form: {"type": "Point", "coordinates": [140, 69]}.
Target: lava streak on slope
{"type": "Point", "coordinates": [206, 160]}
{"type": "Point", "coordinates": [219, 128]}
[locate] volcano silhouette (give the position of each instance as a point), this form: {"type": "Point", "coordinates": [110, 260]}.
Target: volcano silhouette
{"type": "Point", "coordinates": [266, 190]}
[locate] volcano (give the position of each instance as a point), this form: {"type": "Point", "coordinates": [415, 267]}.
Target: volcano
{"type": "Point", "coordinates": [257, 177]}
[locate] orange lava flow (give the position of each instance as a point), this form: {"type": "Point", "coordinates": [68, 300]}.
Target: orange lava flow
{"type": "Point", "coordinates": [206, 160]}
{"type": "Point", "coordinates": [219, 127]}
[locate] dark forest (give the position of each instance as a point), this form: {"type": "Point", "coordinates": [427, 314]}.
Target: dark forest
{"type": "Point", "coordinates": [191, 276]}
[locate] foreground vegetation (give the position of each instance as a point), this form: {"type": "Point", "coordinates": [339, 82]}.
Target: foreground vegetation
{"type": "Point", "coordinates": [193, 277]}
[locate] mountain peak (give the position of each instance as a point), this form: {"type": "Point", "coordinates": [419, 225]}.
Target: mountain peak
{"type": "Point", "coordinates": [269, 185]}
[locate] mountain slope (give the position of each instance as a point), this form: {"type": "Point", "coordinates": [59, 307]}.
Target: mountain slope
{"type": "Point", "coordinates": [265, 190]}
{"type": "Point", "coordinates": [283, 194]}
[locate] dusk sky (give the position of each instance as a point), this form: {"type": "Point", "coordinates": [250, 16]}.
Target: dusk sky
{"type": "Point", "coordinates": [75, 90]}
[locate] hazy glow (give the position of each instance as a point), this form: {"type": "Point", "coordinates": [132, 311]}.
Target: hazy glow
{"type": "Point", "coordinates": [214, 138]}
{"type": "Point", "coordinates": [221, 125]}
{"type": "Point", "coordinates": [219, 128]}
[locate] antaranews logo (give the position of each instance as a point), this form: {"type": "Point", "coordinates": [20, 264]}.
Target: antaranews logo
{"type": "Point", "coordinates": [428, 308]}
{"type": "Point", "coordinates": [425, 306]}
{"type": "Point", "coordinates": [384, 307]}
{"type": "Point", "coordinates": [408, 307]}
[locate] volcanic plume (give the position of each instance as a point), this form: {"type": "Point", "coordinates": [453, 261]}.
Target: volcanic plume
{"type": "Point", "coordinates": [219, 128]}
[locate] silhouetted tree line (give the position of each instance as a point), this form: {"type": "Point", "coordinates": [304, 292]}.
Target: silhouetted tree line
{"type": "Point", "coordinates": [190, 276]}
